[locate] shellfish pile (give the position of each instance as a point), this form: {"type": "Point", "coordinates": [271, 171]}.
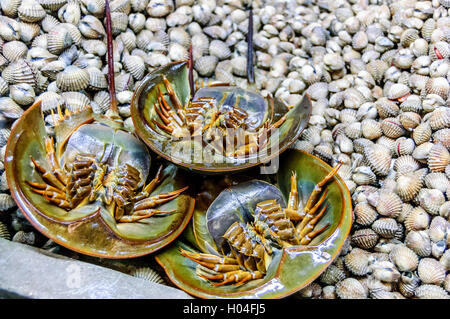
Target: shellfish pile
{"type": "Point", "coordinates": [377, 72]}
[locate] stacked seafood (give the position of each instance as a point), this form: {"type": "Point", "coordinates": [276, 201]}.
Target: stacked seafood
{"type": "Point", "coordinates": [377, 73]}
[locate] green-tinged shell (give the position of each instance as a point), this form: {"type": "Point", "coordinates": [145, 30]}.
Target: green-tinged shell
{"type": "Point", "coordinates": [90, 228]}
{"type": "Point", "coordinates": [291, 268]}
{"type": "Point", "coordinates": [192, 153]}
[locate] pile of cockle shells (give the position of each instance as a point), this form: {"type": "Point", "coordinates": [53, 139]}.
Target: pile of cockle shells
{"type": "Point", "coordinates": [377, 72]}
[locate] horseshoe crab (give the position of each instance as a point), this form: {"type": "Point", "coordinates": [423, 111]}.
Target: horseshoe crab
{"type": "Point", "coordinates": [88, 187]}
{"type": "Point", "coordinates": [213, 128]}
{"type": "Point", "coordinates": [258, 240]}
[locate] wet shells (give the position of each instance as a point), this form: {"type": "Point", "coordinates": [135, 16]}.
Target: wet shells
{"type": "Point", "coordinates": [351, 288]}
{"type": "Point", "coordinates": [357, 261]}
{"type": "Point", "coordinates": [135, 65]}
{"type": "Point", "coordinates": [363, 175]}
{"type": "Point", "coordinates": [70, 13]}
{"type": "Point", "coordinates": [22, 93]}
{"type": "Point", "coordinates": [365, 214]}
{"type": "Point", "coordinates": [75, 101]}
{"type": "Point", "coordinates": [371, 129]}
{"type": "Point", "coordinates": [365, 238]}
{"type": "Point", "coordinates": [9, 29]}
{"type": "Point", "coordinates": [412, 104]}
{"type": "Point", "coordinates": [392, 127]}
{"type": "Point", "coordinates": [431, 200]}
{"type": "Point", "coordinates": [353, 130]}
{"type": "Point", "coordinates": [143, 40]}
{"type": "Point", "coordinates": [216, 32]}
{"type": "Point", "coordinates": [377, 68]}
{"type": "Point", "coordinates": [21, 71]}
{"type": "Point", "coordinates": [438, 158]}
{"type": "Point", "coordinates": [387, 203]}
{"type": "Point", "coordinates": [404, 146]}
{"type": "Point", "coordinates": [14, 50]}
{"type": "Point", "coordinates": [4, 136]}
{"type": "Point", "coordinates": [417, 220]}
{"type": "Point", "coordinates": [95, 47]}
{"type": "Point", "coordinates": [91, 27]}
{"type": "Point", "coordinates": [50, 101]}
{"type": "Point", "coordinates": [427, 29]}
{"type": "Point", "coordinates": [124, 82]}
{"type": "Point", "coordinates": [410, 120]}
{"type": "Point", "coordinates": [177, 52]}
{"type": "Point", "coordinates": [206, 65]}
{"type": "Point", "coordinates": [440, 118]}
{"type": "Point", "coordinates": [421, 152]}
{"type": "Point", "coordinates": [442, 136]}
{"type": "Point", "coordinates": [10, 109]}
{"type": "Point", "coordinates": [408, 284]}
{"type": "Point", "coordinates": [103, 101]}
{"type": "Point", "coordinates": [378, 158]}
{"type": "Point", "coordinates": [440, 50]}
{"type": "Point", "coordinates": [385, 227]}
{"type": "Point", "coordinates": [155, 24]}
{"type": "Point", "coordinates": [97, 80]}
{"type": "Point", "coordinates": [219, 49]}
{"type": "Point", "coordinates": [431, 271]}
{"type": "Point", "coordinates": [159, 8]}
{"type": "Point", "coordinates": [119, 22]}
{"type": "Point", "coordinates": [332, 275]}
{"type": "Point", "coordinates": [408, 37]}
{"type": "Point", "coordinates": [40, 41]}
{"type": "Point", "coordinates": [419, 242]}
{"type": "Point", "coordinates": [324, 151]}
{"type": "Point", "coordinates": [405, 164]}
{"type": "Point", "coordinates": [404, 258]}
{"type": "Point", "coordinates": [148, 274]}
{"type": "Point", "coordinates": [51, 69]}
{"type": "Point", "coordinates": [4, 87]}
{"type": "Point", "coordinates": [9, 7]}
{"type": "Point", "coordinates": [58, 39]}
{"type": "Point", "coordinates": [239, 66]}
{"type": "Point", "coordinates": [72, 79]}
{"type": "Point", "coordinates": [437, 181]}
{"type": "Point", "coordinates": [385, 271]}
{"type": "Point", "coordinates": [52, 5]}
{"type": "Point", "coordinates": [6, 202]}
{"type": "Point", "coordinates": [398, 92]}
{"type": "Point", "coordinates": [179, 35]}
{"type": "Point", "coordinates": [31, 11]}
{"type": "Point", "coordinates": [4, 233]}
{"type": "Point", "coordinates": [431, 292]}
{"type": "Point", "coordinates": [386, 108]}
{"type": "Point", "coordinates": [439, 229]}
{"type": "Point", "coordinates": [422, 133]}
{"type": "Point", "coordinates": [24, 237]}
{"type": "Point", "coordinates": [200, 44]}
{"type": "Point", "coordinates": [437, 85]}
{"type": "Point", "coordinates": [225, 76]}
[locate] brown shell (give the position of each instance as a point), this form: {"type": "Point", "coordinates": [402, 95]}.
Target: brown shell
{"type": "Point", "coordinates": [365, 238]}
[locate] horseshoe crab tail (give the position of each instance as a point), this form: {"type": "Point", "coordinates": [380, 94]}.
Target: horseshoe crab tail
{"type": "Point", "coordinates": [109, 41]}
